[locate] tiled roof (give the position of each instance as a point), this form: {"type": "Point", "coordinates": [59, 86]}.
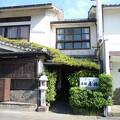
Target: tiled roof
{"type": "Point", "coordinates": [107, 5]}
{"type": "Point", "coordinates": [26, 6]}
{"type": "Point", "coordinates": [111, 5]}
{"type": "Point", "coordinates": [27, 48]}
{"type": "Point", "coordinates": [74, 21]}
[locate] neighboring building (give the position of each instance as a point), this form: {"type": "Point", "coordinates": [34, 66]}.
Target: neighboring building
{"type": "Point", "coordinates": [45, 24]}
{"type": "Point", "coordinates": [110, 48]}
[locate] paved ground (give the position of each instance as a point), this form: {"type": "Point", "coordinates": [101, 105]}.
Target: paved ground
{"type": "Point", "coordinates": [14, 115]}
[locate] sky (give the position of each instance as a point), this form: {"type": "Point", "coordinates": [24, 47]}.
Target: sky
{"type": "Point", "coordinates": [73, 9]}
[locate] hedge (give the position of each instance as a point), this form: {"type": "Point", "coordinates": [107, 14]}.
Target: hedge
{"type": "Point", "coordinates": [87, 99]}
{"type": "Point", "coordinates": [105, 85]}
{"type": "Point", "coordinates": [83, 98]}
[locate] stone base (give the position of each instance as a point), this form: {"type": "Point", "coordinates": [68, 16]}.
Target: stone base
{"type": "Point", "coordinates": [43, 109]}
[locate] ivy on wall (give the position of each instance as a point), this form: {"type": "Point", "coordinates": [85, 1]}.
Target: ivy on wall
{"type": "Point", "coordinates": [51, 91]}
{"type": "Point", "coordinates": [55, 54]}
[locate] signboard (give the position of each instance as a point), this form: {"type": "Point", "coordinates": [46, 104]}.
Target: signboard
{"type": "Point", "coordinates": [91, 83]}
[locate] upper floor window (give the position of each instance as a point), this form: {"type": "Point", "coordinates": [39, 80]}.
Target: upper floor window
{"type": "Point", "coordinates": [15, 32]}
{"type": "Point", "coordinates": [73, 38]}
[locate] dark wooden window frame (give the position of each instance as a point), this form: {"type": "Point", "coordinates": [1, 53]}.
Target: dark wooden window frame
{"type": "Point", "coordinates": [73, 41]}
{"type": "Point", "coordinates": [15, 19]}
{"type": "Point", "coordinates": [6, 30]}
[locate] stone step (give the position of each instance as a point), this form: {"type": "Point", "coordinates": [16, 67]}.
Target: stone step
{"type": "Point", "coordinates": [115, 110]}
{"type": "Point", "coordinates": [17, 106]}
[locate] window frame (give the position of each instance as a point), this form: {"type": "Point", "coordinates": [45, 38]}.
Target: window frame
{"type": "Point", "coordinates": [73, 41]}
{"type": "Point", "coordinates": [18, 33]}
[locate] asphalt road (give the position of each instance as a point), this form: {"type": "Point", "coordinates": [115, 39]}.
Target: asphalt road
{"type": "Point", "coordinates": [15, 115]}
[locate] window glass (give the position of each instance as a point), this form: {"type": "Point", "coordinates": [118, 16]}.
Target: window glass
{"type": "Point", "coordinates": [2, 31]}
{"type": "Point", "coordinates": [85, 36]}
{"type": "Point", "coordinates": [73, 38]}
{"type": "Point", "coordinates": [69, 31]}
{"type": "Point", "coordinates": [60, 31]}
{"type": "Point", "coordinates": [60, 37]}
{"type": "Point", "coordinates": [77, 37]}
{"type": "Point", "coordinates": [85, 45]}
{"type": "Point", "coordinates": [68, 38]}
{"type": "Point", "coordinates": [77, 31]}
{"type": "Point", "coordinates": [77, 45]}
{"type": "Point", "coordinates": [68, 45]}
{"type": "Point", "coordinates": [12, 32]}
{"type": "Point", "coordinates": [85, 30]}
{"type": "Point", "coordinates": [24, 32]}
{"type": "Point", "coordinates": [60, 45]}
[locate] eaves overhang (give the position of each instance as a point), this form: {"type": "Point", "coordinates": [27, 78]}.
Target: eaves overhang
{"type": "Point", "coordinates": [87, 20]}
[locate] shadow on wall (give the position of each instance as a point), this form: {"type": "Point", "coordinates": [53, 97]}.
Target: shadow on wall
{"type": "Point", "coordinates": [116, 98]}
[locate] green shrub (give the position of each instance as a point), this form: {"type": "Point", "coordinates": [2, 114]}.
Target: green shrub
{"type": "Point", "coordinates": [51, 91]}
{"type": "Point", "coordinates": [105, 85]}
{"type": "Point", "coordinates": [87, 99]}
{"type": "Point", "coordinates": [74, 78]}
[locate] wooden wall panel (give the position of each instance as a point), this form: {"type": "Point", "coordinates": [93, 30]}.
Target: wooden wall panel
{"type": "Point", "coordinates": [17, 69]}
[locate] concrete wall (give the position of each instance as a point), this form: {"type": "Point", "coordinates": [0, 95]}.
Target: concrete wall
{"type": "Point", "coordinates": [111, 24]}
{"type": "Point", "coordinates": [115, 67]}
{"type": "Point", "coordinates": [111, 17]}
{"type": "Point", "coordinates": [25, 96]}
{"type": "Point", "coordinates": [82, 52]}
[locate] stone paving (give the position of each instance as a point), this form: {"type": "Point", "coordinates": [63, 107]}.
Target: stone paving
{"type": "Point", "coordinates": [16, 115]}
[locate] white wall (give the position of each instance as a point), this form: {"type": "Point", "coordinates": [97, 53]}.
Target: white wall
{"type": "Point", "coordinates": [40, 28]}
{"type": "Point", "coordinates": [115, 73]}
{"type": "Point", "coordinates": [111, 24]}
{"type": "Point", "coordinates": [81, 52]}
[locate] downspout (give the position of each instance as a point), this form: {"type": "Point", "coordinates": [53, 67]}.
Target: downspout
{"type": "Point", "coordinates": [99, 26]}
{"type": "Point", "coordinates": [99, 21]}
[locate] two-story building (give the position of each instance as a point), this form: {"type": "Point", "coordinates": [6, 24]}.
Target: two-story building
{"type": "Point", "coordinates": [45, 25]}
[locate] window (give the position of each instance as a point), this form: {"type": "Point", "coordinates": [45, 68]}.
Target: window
{"type": "Point", "coordinates": [73, 38]}
{"type": "Point", "coordinates": [15, 19]}
{"type": "Point", "coordinates": [15, 32]}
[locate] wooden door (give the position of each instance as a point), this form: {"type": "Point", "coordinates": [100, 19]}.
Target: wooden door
{"type": "Point", "coordinates": [5, 89]}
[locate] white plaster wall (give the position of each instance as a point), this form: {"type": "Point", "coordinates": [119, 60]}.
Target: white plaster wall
{"type": "Point", "coordinates": [40, 28]}
{"type": "Point", "coordinates": [115, 73]}
{"type": "Point", "coordinates": [112, 25]}
{"type": "Point", "coordinates": [81, 52]}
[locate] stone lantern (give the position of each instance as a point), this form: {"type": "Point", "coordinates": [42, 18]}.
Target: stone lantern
{"type": "Point", "coordinates": [42, 93]}
{"type": "Point", "coordinates": [43, 87]}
